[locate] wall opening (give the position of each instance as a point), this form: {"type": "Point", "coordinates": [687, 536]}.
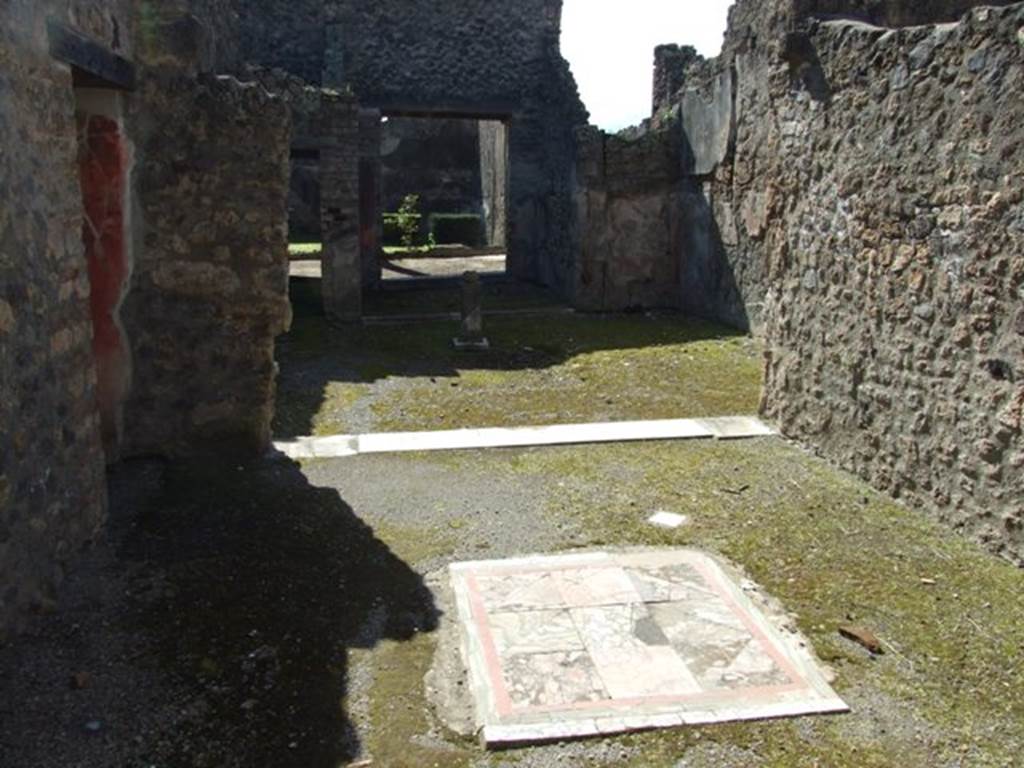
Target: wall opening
{"type": "Point", "coordinates": [104, 157]}
{"type": "Point", "coordinates": [443, 197]}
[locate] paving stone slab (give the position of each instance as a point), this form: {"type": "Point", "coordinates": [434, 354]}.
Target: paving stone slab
{"type": "Point", "coordinates": [568, 646]}
{"type": "Point", "coordinates": [521, 437]}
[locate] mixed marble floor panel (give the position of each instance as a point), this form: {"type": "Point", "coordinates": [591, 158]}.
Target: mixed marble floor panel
{"type": "Point", "coordinates": [586, 644]}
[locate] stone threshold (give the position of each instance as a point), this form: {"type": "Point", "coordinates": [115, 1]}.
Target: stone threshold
{"type": "Point", "coordinates": [339, 446]}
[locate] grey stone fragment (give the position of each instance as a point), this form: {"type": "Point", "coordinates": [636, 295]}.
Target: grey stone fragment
{"type": "Point", "coordinates": [707, 126]}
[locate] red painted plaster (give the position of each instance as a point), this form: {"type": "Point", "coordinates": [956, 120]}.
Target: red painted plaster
{"type": "Point", "coordinates": [103, 163]}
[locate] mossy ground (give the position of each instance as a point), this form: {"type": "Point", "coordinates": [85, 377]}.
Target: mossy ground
{"type": "Point", "coordinates": [305, 250]}
{"type": "Point", "coordinates": [949, 689]}
{"type": "Point", "coordinates": [538, 371]}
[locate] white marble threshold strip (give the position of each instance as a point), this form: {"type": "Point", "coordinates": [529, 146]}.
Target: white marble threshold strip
{"type": "Point", "coordinates": [338, 446]}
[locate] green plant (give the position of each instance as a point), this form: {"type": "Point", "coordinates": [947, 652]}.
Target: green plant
{"type": "Point", "coordinates": [408, 219]}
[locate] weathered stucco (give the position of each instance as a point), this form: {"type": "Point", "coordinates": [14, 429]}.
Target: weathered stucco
{"type": "Point", "coordinates": [629, 212]}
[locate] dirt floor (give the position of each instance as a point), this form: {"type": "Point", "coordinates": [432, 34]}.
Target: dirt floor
{"type": "Point", "coordinates": [282, 614]}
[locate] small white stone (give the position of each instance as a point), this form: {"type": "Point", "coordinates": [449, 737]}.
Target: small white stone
{"type": "Point", "coordinates": [668, 520]}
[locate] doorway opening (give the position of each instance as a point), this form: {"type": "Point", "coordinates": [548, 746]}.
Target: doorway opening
{"type": "Point", "coordinates": [443, 197]}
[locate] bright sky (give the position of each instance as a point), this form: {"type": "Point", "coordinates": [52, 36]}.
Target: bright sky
{"type": "Point", "coordinates": [610, 45]}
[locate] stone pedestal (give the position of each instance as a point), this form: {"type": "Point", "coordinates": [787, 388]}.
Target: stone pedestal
{"type": "Point", "coordinates": [472, 334]}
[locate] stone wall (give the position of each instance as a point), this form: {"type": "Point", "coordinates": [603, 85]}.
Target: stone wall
{"type": "Point", "coordinates": [865, 218]}
{"type": "Point", "coordinates": [472, 58]}
{"type": "Point", "coordinates": [671, 63]}
{"type": "Point", "coordinates": [324, 191]}
{"type": "Point", "coordinates": [896, 317]}
{"type": "Point", "coordinates": [892, 13]}
{"type": "Point", "coordinates": [284, 34]}
{"type": "Point", "coordinates": [340, 211]}
{"type": "Point", "coordinates": [52, 482]}
{"type": "Point", "coordinates": [209, 289]}
{"type": "Point", "coordinates": [146, 234]}
{"type": "Point", "coordinates": [483, 58]}
{"type": "Point", "coordinates": [629, 215]}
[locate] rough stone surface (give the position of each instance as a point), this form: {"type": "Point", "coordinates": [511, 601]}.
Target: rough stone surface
{"type": "Point", "coordinates": [284, 34]}
{"type": "Point", "coordinates": [52, 483]}
{"type": "Point", "coordinates": [851, 193]}
{"type": "Point", "coordinates": [899, 359]}
{"type": "Point", "coordinates": [339, 207]}
{"type": "Point", "coordinates": [331, 142]}
{"type": "Point", "coordinates": [893, 13]}
{"type": "Point", "coordinates": [671, 63]}
{"type": "Point", "coordinates": [209, 289]}
{"type": "Point", "coordinates": [869, 225]}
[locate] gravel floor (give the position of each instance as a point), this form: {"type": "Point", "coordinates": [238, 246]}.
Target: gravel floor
{"type": "Point", "coordinates": [283, 615]}
{"type": "Point", "coordinates": [277, 614]}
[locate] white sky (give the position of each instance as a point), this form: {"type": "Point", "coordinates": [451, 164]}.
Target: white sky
{"type": "Point", "coordinates": [610, 46]}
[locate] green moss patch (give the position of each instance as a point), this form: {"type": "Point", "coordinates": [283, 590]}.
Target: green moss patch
{"type": "Point", "coordinates": [305, 250]}
{"type": "Point", "coordinates": [951, 681]}
{"type": "Point", "coordinates": [538, 371]}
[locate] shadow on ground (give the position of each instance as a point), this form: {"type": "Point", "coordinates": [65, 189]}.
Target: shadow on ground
{"type": "Point", "coordinates": [238, 591]}
{"type": "Point", "coordinates": [539, 369]}
{"type": "Point", "coordinates": [271, 581]}
{"type": "Point", "coordinates": [423, 294]}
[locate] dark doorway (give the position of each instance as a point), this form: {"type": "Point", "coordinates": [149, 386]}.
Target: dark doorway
{"type": "Point", "coordinates": [443, 196]}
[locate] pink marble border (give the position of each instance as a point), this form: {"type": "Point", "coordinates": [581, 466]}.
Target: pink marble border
{"type": "Point", "coordinates": [503, 702]}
